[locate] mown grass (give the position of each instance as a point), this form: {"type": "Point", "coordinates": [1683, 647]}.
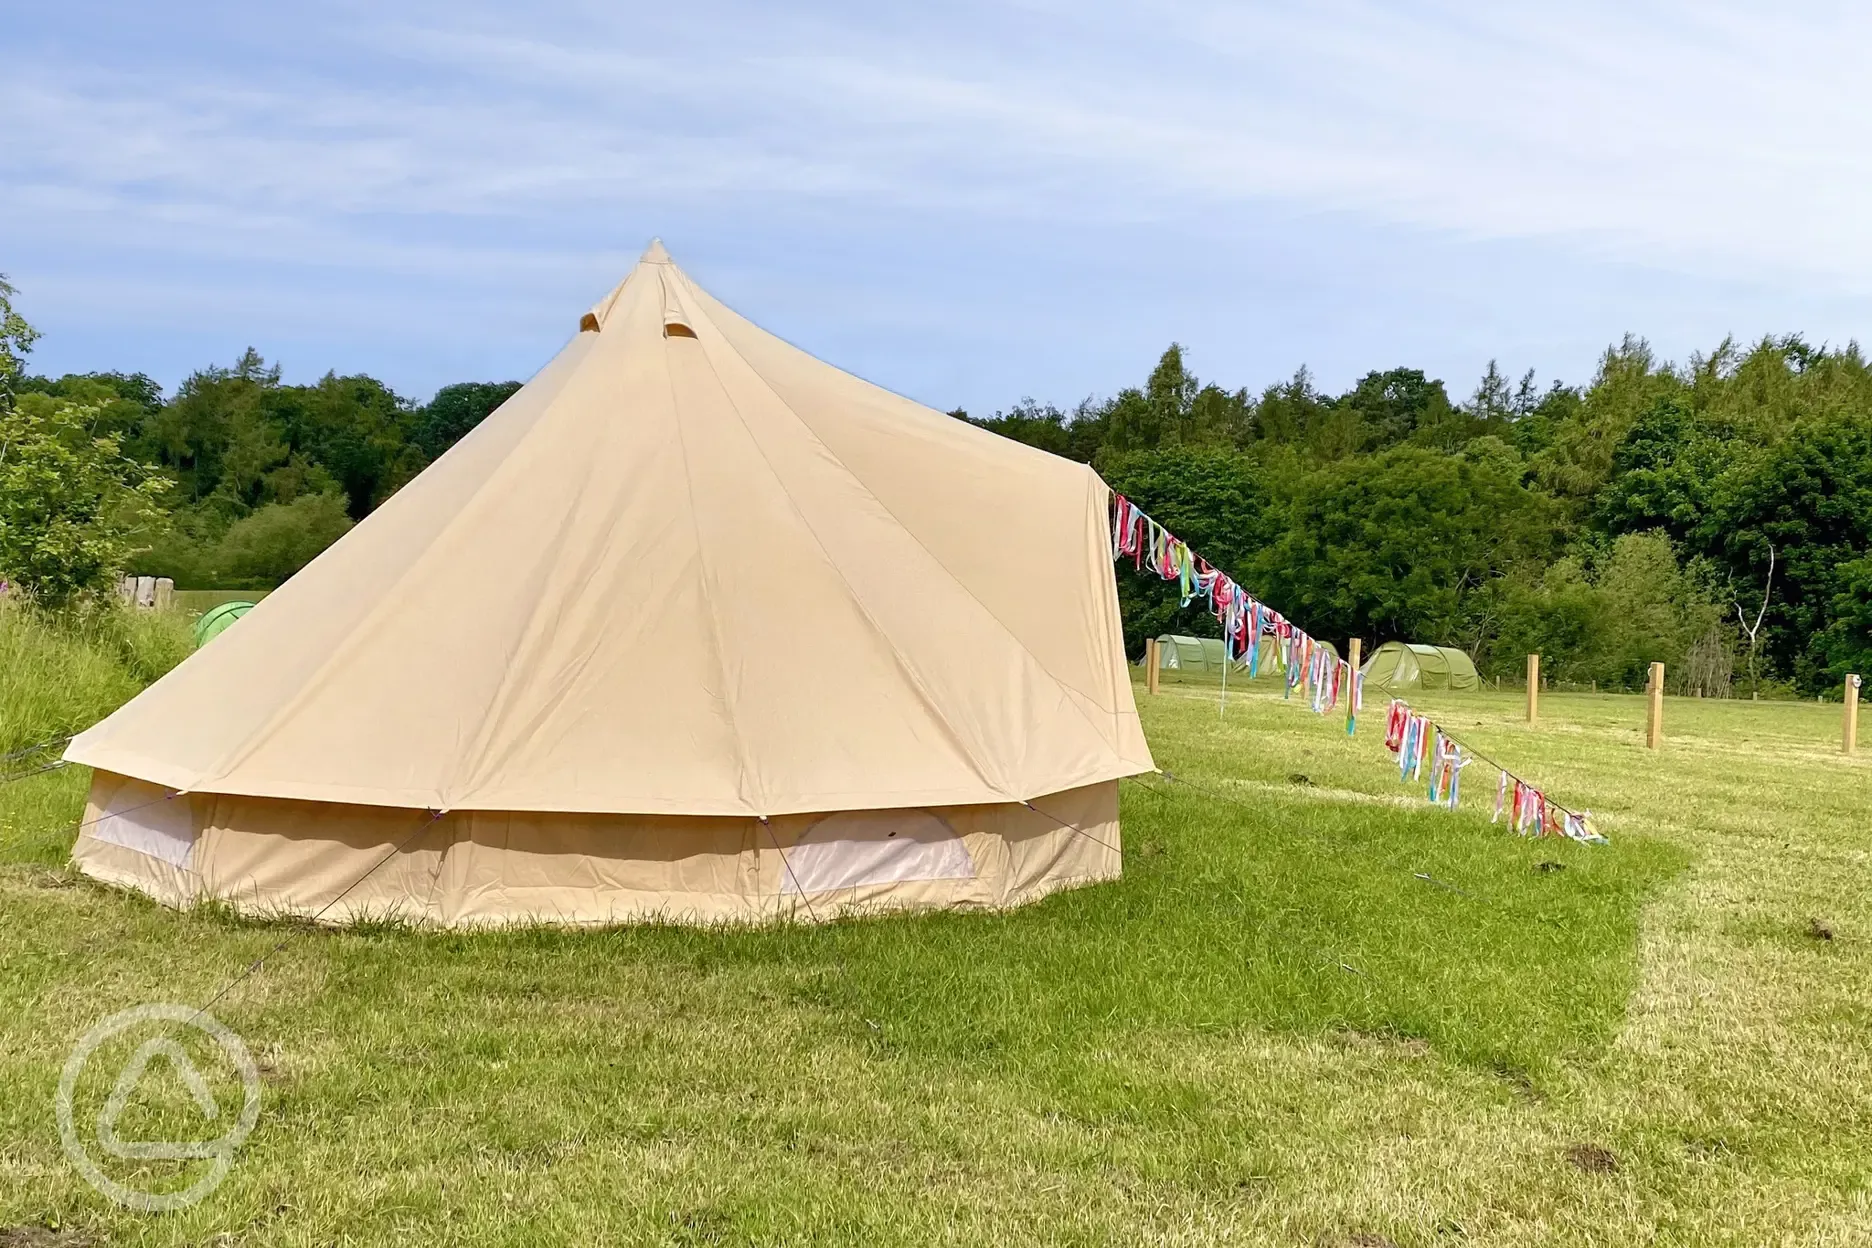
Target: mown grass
{"type": "Point", "coordinates": [1314, 1009]}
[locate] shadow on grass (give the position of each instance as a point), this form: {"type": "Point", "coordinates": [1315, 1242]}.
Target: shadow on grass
{"type": "Point", "coordinates": [1289, 912]}
{"type": "Point", "coordinates": [1298, 915]}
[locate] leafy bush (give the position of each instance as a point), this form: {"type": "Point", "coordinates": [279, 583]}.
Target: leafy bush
{"type": "Point", "coordinates": [262, 550]}
{"type": "Point", "coordinates": [1607, 623]}
{"type": "Point", "coordinates": [72, 507]}
{"type": "Point", "coordinates": [258, 551]}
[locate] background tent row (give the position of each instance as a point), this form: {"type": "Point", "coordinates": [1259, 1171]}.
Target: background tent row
{"type": "Point", "coordinates": [1394, 667]}
{"type": "Point", "coordinates": [1179, 653]}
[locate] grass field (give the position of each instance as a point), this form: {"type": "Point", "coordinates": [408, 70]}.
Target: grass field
{"type": "Point", "coordinates": [1315, 1011]}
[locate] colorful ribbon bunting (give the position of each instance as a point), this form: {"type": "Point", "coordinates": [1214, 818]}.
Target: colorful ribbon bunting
{"type": "Point", "coordinates": [1419, 744]}
{"type": "Point", "coordinates": [1323, 679]}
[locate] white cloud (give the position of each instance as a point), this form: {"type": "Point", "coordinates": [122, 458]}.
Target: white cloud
{"type": "Point", "coordinates": [522, 151]}
{"type": "Point", "coordinates": [1690, 135]}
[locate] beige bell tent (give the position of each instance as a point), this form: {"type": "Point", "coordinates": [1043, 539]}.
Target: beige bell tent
{"type": "Point", "coordinates": [695, 627]}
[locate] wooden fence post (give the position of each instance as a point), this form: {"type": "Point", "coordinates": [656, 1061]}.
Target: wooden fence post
{"type": "Point", "coordinates": [1849, 735]}
{"type": "Point", "coordinates": [1533, 688]}
{"type": "Point", "coordinates": [1352, 656]}
{"type": "Point", "coordinates": [1151, 660]}
{"type": "Point", "coordinates": [1654, 726]}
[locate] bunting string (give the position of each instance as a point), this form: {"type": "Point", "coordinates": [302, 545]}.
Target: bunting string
{"type": "Point", "coordinates": [1251, 631]}
{"type": "Point", "coordinates": [1419, 742]}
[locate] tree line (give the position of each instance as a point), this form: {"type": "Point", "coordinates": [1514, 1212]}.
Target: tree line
{"type": "Point", "coordinates": [235, 481]}
{"type": "Point", "coordinates": [1645, 515]}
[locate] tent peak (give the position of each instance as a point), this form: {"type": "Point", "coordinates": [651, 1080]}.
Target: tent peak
{"type": "Point", "coordinates": [593, 321]}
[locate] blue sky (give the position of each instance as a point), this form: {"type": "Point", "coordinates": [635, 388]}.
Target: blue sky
{"type": "Point", "coordinates": [966, 202]}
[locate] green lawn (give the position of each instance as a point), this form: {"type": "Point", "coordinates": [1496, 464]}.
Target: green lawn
{"type": "Point", "coordinates": [1315, 1010]}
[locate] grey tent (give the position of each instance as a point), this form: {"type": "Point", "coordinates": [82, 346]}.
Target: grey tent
{"type": "Point", "coordinates": [1397, 666]}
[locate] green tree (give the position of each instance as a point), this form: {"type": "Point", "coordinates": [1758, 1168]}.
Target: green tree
{"type": "Point", "coordinates": [73, 508]}
{"type": "Point", "coordinates": [1215, 500]}
{"type": "Point", "coordinates": [1845, 645]}
{"type": "Point", "coordinates": [360, 431]}
{"type": "Point", "coordinates": [125, 402]}
{"type": "Point", "coordinates": [1637, 604]}
{"type": "Point", "coordinates": [1495, 401]}
{"type": "Point", "coordinates": [237, 439]}
{"type": "Point", "coordinates": [1291, 413]}
{"type": "Point", "coordinates": [218, 415]}
{"type": "Point", "coordinates": [1403, 405]}
{"type": "Point", "coordinates": [1537, 417]}
{"type": "Point", "coordinates": [16, 339]}
{"type": "Point", "coordinates": [1810, 496]}
{"type": "Point", "coordinates": [1666, 473]}
{"type": "Point", "coordinates": [1176, 409]}
{"type": "Point", "coordinates": [455, 411]}
{"type": "Point", "coordinates": [1403, 544]}
{"type": "Point", "coordinates": [1577, 460]}
{"type": "Point", "coordinates": [1070, 435]}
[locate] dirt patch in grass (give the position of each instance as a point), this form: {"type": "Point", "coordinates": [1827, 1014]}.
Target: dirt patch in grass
{"type": "Point", "coordinates": [1592, 1158]}
{"type": "Point", "coordinates": [41, 1237]}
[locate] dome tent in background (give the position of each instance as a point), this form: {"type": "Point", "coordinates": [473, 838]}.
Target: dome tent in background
{"type": "Point", "coordinates": [217, 620]}
{"type": "Point", "coordinates": [771, 641]}
{"type": "Point", "coordinates": [1398, 666]}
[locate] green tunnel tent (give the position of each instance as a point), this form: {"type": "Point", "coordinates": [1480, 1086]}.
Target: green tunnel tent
{"type": "Point", "coordinates": [216, 620]}
{"type": "Point", "coordinates": [1178, 653]}
{"type": "Point", "coordinates": [1398, 666]}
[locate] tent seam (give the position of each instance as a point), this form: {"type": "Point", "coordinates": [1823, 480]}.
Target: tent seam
{"type": "Point", "coordinates": [1097, 487]}
{"type": "Point", "coordinates": [878, 630]}
{"type": "Point", "coordinates": [908, 532]}
{"type": "Point", "coordinates": [708, 599]}
{"type": "Point", "coordinates": [467, 770]}
{"type": "Point", "coordinates": [225, 765]}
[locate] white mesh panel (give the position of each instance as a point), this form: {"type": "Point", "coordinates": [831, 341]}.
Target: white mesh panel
{"type": "Point", "coordinates": [164, 828]}
{"type": "Point", "coordinates": [875, 847]}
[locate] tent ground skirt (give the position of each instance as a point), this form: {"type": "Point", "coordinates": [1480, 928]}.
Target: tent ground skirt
{"type": "Point", "coordinates": [474, 868]}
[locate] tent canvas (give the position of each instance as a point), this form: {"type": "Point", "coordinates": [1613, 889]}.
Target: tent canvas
{"type": "Point", "coordinates": [1397, 666]}
{"type": "Point", "coordinates": [757, 607]}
